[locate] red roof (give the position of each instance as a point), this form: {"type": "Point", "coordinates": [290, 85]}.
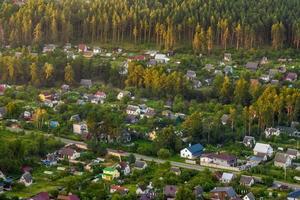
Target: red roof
{"type": "Point", "coordinates": [118, 188]}
{"type": "Point", "coordinates": [138, 57]}
{"type": "Point", "coordinates": [41, 196]}
{"type": "Point", "coordinates": [100, 94]}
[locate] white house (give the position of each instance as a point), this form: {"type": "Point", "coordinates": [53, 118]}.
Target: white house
{"type": "Point", "coordinates": [282, 160]}
{"type": "Point", "coordinates": [161, 58]}
{"type": "Point", "coordinates": [68, 153]}
{"type": "Point", "coordinates": [80, 128]}
{"type": "Point", "coordinates": [133, 110]}
{"type": "Point", "coordinates": [227, 177]}
{"type": "Point", "coordinates": [96, 50]}
{"type": "Point", "coordinates": [261, 148]}
{"type": "Point", "coordinates": [124, 168]}
{"type": "Point", "coordinates": [192, 152]}
{"type": "Point", "coordinates": [269, 132]}
{"type": "Point", "coordinates": [249, 196]}
{"type": "Point", "coordinates": [123, 94]}
{"type": "Point", "coordinates": [26, 179]}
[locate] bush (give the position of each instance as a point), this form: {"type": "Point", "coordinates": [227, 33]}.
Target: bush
{"type": "Point", "coordinates": [163, 153]}
{"type": "Point", "coordinates": [268, 181]}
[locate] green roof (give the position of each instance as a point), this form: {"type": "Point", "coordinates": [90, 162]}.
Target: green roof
{"type": "Point", "coordinates": [109, 169]}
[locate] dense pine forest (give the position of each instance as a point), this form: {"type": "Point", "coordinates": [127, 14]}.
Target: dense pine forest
{"type": "Point", "coordinates": [203, 24]}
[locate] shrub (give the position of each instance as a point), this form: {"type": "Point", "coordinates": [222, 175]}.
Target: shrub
{"type": "Point", "coordinates": [163, 153]}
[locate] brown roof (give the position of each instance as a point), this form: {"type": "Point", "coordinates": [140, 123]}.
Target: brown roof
{"type": "Point", "coordinates": [170, 190]}
{"type": "Point", "coordinates": [292, 152]}
{"type": "Point", "coordinates": [245, 180]}
{"type": "Point", "coordinates": [66, 151]}
{"type": "Point", "coordinates": [281, 157]}
{"type": "Point", "coordinates": [252, 65]}
{"type": "Point", "coordinates": [223, 156]}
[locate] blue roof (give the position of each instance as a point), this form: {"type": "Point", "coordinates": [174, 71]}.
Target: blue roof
{"type": "Point", "coordinates": [196, 149]}
{"type": "Point", "coordinates": [294, 194]}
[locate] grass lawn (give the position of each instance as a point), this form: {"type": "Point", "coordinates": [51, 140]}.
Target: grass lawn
{"type": "Point", "coordinates": [176, 158]}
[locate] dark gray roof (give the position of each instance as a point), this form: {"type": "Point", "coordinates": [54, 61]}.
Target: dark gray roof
{"type": "Point", "coordinates": [229, 190]}
{"type": "Point", "coordinates": [245, 180]}
{"type": "Point", "coordinates": [86, 82]}
{"type": "Point", "coordinates": [250, 196]}
{"type": "Point", "coordinates": [252, 65]}
{"type": "Point", "coordinates": [248, 139]}
{"type": "Point", "coordinates": [139, 164]}
{"type": "Point", "coordinates": [27, 177]}
{"type": "Point", "coordinates": [295, 194]}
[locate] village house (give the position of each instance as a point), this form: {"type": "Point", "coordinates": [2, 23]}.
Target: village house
{"type": "Point", "coordinates": [161, 58]}
{"type": "Point", "coordinates": [265, 78]}
{"type": "Point", "coordinates": [86, 83]}
{"type": "Point", "coordinates": [133, 110]}
{"type": "Point", "coordinates": [269, 132]}
{"type": "Point", "coordinates": [223, 193]}
{"type": "Point", "coordinates": [227, 177]}
{"type": "Point", "coordinates": [295, 195]}
{"type": "Point", "coordinates": [136, 58]}
{"type": "Point", "coordinates": [68, 197]}
{"type": "Point", "coordinates": [198, 192]}
{"type": "Point", "coordinates": [282, 160]}
{"type": "Point", "coordinates": [221, 159]}
{"type": "Point", "coordinates": [209, 67]}
{"type": "Point", "coordinates": [247, 181]}
{"type": "Point", "coordinates": [68, 153]}
{"type": "Point", "coordinates": [293, 153]}
{"type": "Point", "coordinates": [51, 159]}
{"type": "Point", "coordinates": [227, 57]}
{"type": "Point", "coordinates": [65, 87]}
{"type": "Point", "coordinates": [170, 191]}
{"type": "Point", "coordinates": [2, 176]}
{"type": "Point", "coordinates": [80, 128]}
{"type": "Point", "coordinates": [197, 84]}
{"type": "Point", "coordinates": [116, 153]}
{"type": "Point", "coordinates": [26, 179]}
{"type": "Point", "coordinates": [192, 152]}
{"type": "Point", "coordinates": [97, 50]}
{"type": "Point", "coordinates": [118, 189]}
{"type": "Point", "coordinates": [123, 94]}
{"type": "Point", "coordinates": [249, 196]}
{"type": "Point", "coordinates": [249, 141]}
{"type": "Point", "coordinates": [100, 94]}
{"type": "Point", "coordinates": [124, 168]}
{"type": "Point", "coordinates": [2, 112]}
{"type": "Point", "coordinates": [140, 165]}
{"type": "Point", "coordinates": [225, 118]}
{"type": "Point", "coordinates": [145, 192]}
{"type": "Point", "coordinates": [291, 77]}
{"type": "Point", "coordinates": [110, 173]}
{"type": "Point", "coordinates": [264, 61]}
{"type": "Point", "coordinates": [252, 66]}
{"type": "Point", "coordinates": [228, 70]}
{"type": "Point", "coordinates": [261, 149]}
{"type": "Point", "coordinates": [82, 48]}
{"type": "Point", "coordinates": [49, 48]}
{"type": "Point", "coordinates": [41, 196]}
{"type": "Point", "coordinates": [176, 170]}
{"type": "Point", "coordinates": [191, 75]}
{"type": "Point", "coordinates": [67, 47]}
